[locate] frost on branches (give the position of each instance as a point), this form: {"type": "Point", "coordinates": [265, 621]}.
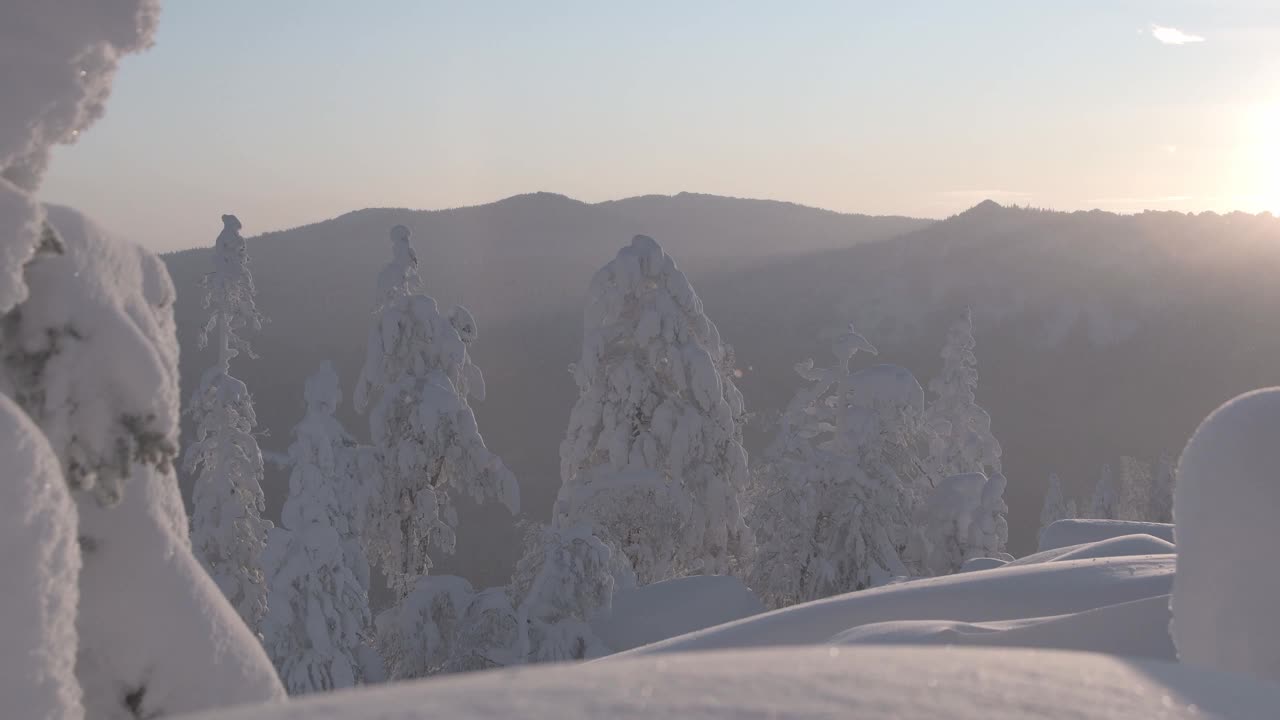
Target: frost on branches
{"type": "Point", "coordinates": [831, 502]}
{"type": "Point", "coordinates": [961, 439]}
{"type": "Point", "coordinates": [563, 580]}
{"type": "Point", "coordinates": [228, 532]}
{"type": "Point", "coordinates": [416, 378]}
{"type": "Point", "coordinates": [318, 605]}
{"type": "Point", "coordinates": [653, 459]}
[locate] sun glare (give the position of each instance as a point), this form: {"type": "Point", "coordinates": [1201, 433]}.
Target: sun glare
{"type": "Point", "coordinates": [1261, 165]}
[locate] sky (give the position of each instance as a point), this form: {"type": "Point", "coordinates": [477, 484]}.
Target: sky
{"type": "Point", "coordinates": [294, 111]}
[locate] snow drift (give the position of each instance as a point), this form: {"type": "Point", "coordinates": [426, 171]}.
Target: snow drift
{"type": "Point", "coordinates": [869, 683]}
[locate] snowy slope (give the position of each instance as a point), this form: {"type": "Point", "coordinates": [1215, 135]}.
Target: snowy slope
{"type": "Point", "coordinates": [1139, 628]}
{"type": "Point", "coordinates": [1004, 594]}
{"type": "Point", "coordinates": [1076, 532]}
{"type": "Point", "coordinates": [871, 683]}
{"type": "Point", "coordinates": [674, 607]}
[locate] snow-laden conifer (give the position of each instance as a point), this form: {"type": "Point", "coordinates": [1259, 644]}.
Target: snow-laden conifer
{"type": "Point", "coordinates": [653, 460]}
{"type": "Point", "coordinates": [415, 382]}
{"type": "Point", "coordinates": [318, 607]}
{"type": "Point", "coordinates": [831, 501]}
{"type": "Point", "coordinates": [961, 439]}
{"type": "Point", "coordinates": [563, 580]}
{"type": "Point", "coordinates": [228, 531]}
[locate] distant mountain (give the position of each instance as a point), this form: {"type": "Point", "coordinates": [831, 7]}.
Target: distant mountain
{"type": "Point", "coordinates": [522, 266]}
{"type": "Point", "coordinates": [1098, 334]}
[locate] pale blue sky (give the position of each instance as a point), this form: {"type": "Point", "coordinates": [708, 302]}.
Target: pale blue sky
{"type": "Point", "coordinates": [289, 111]}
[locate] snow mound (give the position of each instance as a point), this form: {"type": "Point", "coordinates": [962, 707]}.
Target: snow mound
{"type": "Point", "coordinates": [1139, 628]}
{"type": "Point", "coordinates": [1225, 501]}
{"type": "Point", "coordinates": [39, 561]}
{"type": "Point", "coordinates": [1010, 593]}
{"type": "Point", "coordinates": [869, 683]}
{"type": "Point", "coordinates": [1138, 544]}
{"type": "Point", "coordinates": [982, 563]}
{"type": "Point", "coordinates": [674, 607]}
{"type": "Point", "coordinates": [1078, 532]}
{"type": "Point", "coordinates": [1122, 546]}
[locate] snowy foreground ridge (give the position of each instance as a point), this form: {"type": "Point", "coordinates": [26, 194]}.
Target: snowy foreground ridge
{"type": "Point", "coordinates": [866, 683]}
{"type": "Point", "coordinates": [1107, 598]}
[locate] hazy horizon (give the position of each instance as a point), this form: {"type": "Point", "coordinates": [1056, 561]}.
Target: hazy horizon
{"type": "Point", "coordinates": [288, 114]}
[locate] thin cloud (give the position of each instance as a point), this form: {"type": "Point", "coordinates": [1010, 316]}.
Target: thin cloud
{"type": "Point", "coordinates": [1173, 36]}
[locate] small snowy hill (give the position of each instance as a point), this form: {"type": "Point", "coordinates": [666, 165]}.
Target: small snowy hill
{"type": "Point", "coordinates": [868, 683]}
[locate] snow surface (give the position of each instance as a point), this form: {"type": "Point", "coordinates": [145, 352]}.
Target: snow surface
{"type": "Point", "coordinates": [1225, 502]}
{"type": "Point", "coordinates": [869, 683]}
{"type": "Point", "coordinates": [1041, 590]}
{"type": "Point", "coordinates": [1139, 544]}
{"type": "Point", "coordinates": [1078, 532]}
{"type": "Point", "coordinates": [1138, 628]}
{"type": "Point", "coordinates": [673, 607]}
{"type": "Point", "coordinates": [40, 562]}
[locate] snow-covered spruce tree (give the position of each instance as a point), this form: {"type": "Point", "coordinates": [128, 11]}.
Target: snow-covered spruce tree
{"type": "Point", "coordinates": [830, 504]}
{"type": "Point", "coordinates": [228, 531]}
{"type": "Point", "coordinates": [563, 579]}
{"type": "Point", "coordinates": [653, 460]}
{"type": "Point", "coordinates": [1055, 504]}
{"type": "Point", "coordinates": [416, 378]}
{"type": "Point", "coordinates": [1104, 505]}
{"type": "Point", "coordinates": [89, 353]}
{"type": "Point", "coordinates": [961, 439]}
{"type": "Point", "coordinates": [318, 609]}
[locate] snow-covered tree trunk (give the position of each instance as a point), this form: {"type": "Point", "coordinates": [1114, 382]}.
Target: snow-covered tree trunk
{"type": "Point", "coordinates": [318, 604]}
{"type": "Point", "coordinates": [228, 530]}
{"type": "Point", "coordinates": [415, 382]}
{"type": "Point", "coordinates": [653, 460]}
{"type": "Point", "coordinates": [830, 506]}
